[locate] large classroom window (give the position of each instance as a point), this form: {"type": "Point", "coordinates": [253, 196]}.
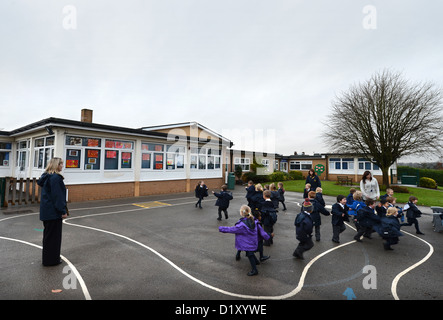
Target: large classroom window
{"type": "Point", "coordinates": [43, 152]}
{"type": "Point", "coordinates": [366, 164]}
{"type": "Point", "coordinates": [205, 158]}
{"type": "Point", "coordinates": [118, 154]}
{"type": "Point", "coordinates": [153, 156]}
{"type": "Point", "coordinates": [83, 153]}
{"type": "Point", "coordinates": [244, 163]}
{"type": "Point", "coordinates": [300, 165]}
{"type": "Point", "coordinates": [341, 163]}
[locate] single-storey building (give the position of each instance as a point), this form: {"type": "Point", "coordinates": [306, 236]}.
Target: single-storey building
{"type": "Point", "coordinates": [105, 161]}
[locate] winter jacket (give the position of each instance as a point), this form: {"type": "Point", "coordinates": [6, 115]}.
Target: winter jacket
{"type": "Point", "coordinates": [250, 192]}
{"type": "Point", "coordinates": [367, 218]}
{"type": "Point", "coordinates": [303, 230]}
{"type": "Point", "coordinates": [223, 199]}
{"type": "Point", "coordinates": [355, 206]}
{"type": "Point", "coordinates": [281, 192]}
{"type": "Point", "coordinates": [247, 233]}
{"type": "Point", "coordinates": [53, 196]}
{"type": "Point", "coordinates": [275, 198]}
{"type": "Point", "coordinates": [317, 209]}
{"type": "Point", "coordinates": [370, 189]}
{"type": "Point", "coordinates": [257, 200]}
{"type": "Point", "coordinates": [268, 213]}
{"type": "Point", "coordinates": [390, 227]}
{"type": "Point", "coordinates": [201, 191]}
{"type": "Point", "coordinates": [412, 211]}
{"type": "Point", "coordinates": [314, 181]}
{"type": "Point", "coordinates": [337, 212]}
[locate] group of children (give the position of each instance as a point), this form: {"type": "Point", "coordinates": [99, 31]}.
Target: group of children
{"type": "Point", "coordinates": [255, 228]}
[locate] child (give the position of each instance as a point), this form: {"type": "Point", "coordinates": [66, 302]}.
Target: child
{"type": "Point", "coordinates": [382, 208]}
{"type": "Point", "coordinates": [319, 196]}
{"type": "Point", "coordinates": [222, 202]}
{"type": "Point", "coordinates": [303, 230]}
{"type": "Point", "coordinates": [350, 197]}
{"type": "Point", "coordinates": [339, 215]}
{"type": "Point", "coordinates": [357, 204]}
{"type": "Point", "coordinates": [257, 198]}
{"type": "Point", "coordinates": [275, 196]}
{"type": "Point", "coordinates": [392, 203]}
{"type": "Point", "coordinates": [268, 215]}
{"type": "Point", "coordinates": [281, 191]}
{"type": "Point", "coordinates": [306, 191]}
{"type": "Point", "coordinates": [201, 191]}
{"type": "Point", "coordinates": [250, 189]}
{"type": "Point", "coordinates": [317, 208]}
{"type": "Point", "coordinates": [412, 213]}
{"type": "Point", "coordinates": [247, 231]}
{"type": "Point", "coordinates": [367, 220]}
{"type": "Point", "coordinates": [257, 217]}
{"type": "Point", "coordinates": [389, 193]}
{"type": "Point", "coordinates": [390, 228]}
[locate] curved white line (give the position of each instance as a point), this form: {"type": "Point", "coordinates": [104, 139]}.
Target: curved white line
{"type": "Point", "coordinates": [401, 274]}
{"type": "Point", "coordinates": [73, 268]}
{"type": "Point", "coordinates": [285, 296]}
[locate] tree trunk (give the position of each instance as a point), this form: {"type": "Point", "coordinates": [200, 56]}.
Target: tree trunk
{"type": "Point", "coordinates": [385, 172]}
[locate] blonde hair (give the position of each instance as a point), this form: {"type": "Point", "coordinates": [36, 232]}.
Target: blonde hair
{"type": "Point", "coordinates": [391, 211]}
{"type": "Point", "coordinates": [258, 187]}
{"type": "Point", "coordinates": [319, 190]}
{"type": "Point", "coordinates": [53, 165]}
{"type": "Point", "coordinates": [245, 212]}
{"type": "Point", "coordinates": [358, 195]}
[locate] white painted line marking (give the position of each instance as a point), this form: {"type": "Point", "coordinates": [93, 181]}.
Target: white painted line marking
{"type": "Point", "coordinates": [401, 274]}
{"type": "Point", "coordinates": [73, 268]}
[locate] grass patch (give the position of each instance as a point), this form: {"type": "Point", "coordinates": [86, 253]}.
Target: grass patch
{"type": "Point", "coordinates": [426, 197]}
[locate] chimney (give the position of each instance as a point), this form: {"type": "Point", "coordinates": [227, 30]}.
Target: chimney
{"type": "Point", "coordinates": [86, 115]}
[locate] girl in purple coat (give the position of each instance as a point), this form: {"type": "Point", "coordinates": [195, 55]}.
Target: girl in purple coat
{"type": "Point", "coordinates": [247, 232]}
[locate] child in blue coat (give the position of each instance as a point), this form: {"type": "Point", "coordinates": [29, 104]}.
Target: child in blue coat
{"type": "Point", "coordinates": [247, 231]}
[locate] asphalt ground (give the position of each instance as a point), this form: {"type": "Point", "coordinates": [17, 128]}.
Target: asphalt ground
{"type": "Point", "coordinates": [164, 248]}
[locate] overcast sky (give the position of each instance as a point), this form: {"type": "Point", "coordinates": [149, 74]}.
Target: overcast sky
{"type": "Point", "coordinates": [230, 65]}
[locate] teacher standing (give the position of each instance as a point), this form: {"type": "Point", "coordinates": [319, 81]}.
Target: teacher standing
{"type": "Point", "coordinates": [52, 211]}
{"type": "Point", "coordinates": [369, 186]}
{"type": "Point", "coordinates": [313, 180]}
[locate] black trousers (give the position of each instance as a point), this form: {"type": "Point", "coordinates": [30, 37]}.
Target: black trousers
{"type": "Point", "coordinates": [303, 246]}
{"type": "Point", "coordinates": [52, 242]}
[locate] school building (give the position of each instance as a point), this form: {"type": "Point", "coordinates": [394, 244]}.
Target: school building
{"type": "Point", "coordinates": [105, 161]}
{"type": "Point", "coordinates": [346, 168]}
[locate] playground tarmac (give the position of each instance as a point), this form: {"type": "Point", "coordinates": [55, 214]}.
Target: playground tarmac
{"type": "Point", "coordinates": [164, 248]}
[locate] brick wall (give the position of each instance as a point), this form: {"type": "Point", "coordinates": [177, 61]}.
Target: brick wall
{"type": "Point", "coordinates": [88, 192]}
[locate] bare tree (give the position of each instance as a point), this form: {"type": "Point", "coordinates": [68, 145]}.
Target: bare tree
{"type": "Point", "coordinates": [386, 118]}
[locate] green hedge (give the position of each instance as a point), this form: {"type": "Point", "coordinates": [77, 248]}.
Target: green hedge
{"type": "Point", "coordinates": [437, 175]}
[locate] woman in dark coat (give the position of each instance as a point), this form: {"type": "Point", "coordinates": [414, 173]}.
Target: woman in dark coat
{"type": "Point", "coordinates": [52, 211]}
{"type": "Point", "coordinates": [313, 180]}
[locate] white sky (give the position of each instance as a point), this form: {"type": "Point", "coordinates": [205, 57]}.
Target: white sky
{"type": "Point", "coordinates": [230, 65]}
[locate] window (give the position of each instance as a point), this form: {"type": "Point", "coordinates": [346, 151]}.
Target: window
{"type": "Point", "coordinates": [341, 163]}
{"type": "Point", "coordinates": [152, 156]}
{"type": "Point", "coordinates": [118, 154]}
{"type": "Point", "coordinates": [244, 163]}
{"type": "Point", "coordinates": [175, 157]}
{"type": "Point", "coordinates": [300, 165]}
{"type": "Point", "coordinates": [22, 154]}
{"type": "Point", "coordinates": [5, 151]}
{"type": "Point", "coordinates": [366, 164]}
{"type": "Point", "coordinates": [43, 152]}
{"type": "Point", "coordinates": [83, 153]}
